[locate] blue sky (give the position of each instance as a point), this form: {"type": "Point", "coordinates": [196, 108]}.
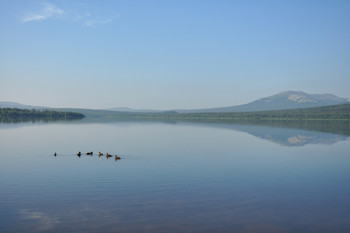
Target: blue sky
{"type": "Point", "coordinates": [170, 54]}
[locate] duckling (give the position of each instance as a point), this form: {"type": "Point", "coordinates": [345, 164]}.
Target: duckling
{"type": "Point", "coordinates": [55, 154]}
{"type": "Point", "coordinates": [116, 157]}
{"type": "Point", "coordinates": [79, 154]}
{"type": "Point", "coordinates": [100, 154]}
{"type": "Point", "coordinates": [90, 153]}
{"type": "Point", "coordinates": [108, 155]}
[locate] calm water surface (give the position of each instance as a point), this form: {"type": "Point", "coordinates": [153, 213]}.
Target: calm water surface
{"type": "Point", "coordinates": [172, 178]}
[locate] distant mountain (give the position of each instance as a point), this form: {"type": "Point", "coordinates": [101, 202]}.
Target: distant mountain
{"type": "Point", "coordinates": [126, 109]}
{"type": "Point", "coordinates": [283, 100]}
{"type": "Point", "coordinates": [21, 106]}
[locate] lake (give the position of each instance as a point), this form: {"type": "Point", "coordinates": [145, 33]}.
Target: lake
{"type": "Point", "coordinates": [173, 177]}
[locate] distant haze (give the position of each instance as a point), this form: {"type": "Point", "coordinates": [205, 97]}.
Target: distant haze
{"type": "Point", "coordinates": [283, 100]}
{"type": "Point", "coordinates": [170, 54]}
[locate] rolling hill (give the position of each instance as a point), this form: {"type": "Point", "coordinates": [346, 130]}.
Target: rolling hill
{"type": "Point", "coordinates": [281, 101]}
{"type": "Point", "coordinates": [20, 106]}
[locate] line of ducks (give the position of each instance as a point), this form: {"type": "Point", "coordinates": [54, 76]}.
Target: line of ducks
{"type": "Point", "coordinates": [116, 157]}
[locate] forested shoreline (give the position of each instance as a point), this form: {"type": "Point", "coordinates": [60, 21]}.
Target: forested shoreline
{"type": "Point", "coordinates": [334, 112]}
{"type": "Point", "coordinates": [327, 113]}
{"type": "Point", "coordinates": [13, 115]}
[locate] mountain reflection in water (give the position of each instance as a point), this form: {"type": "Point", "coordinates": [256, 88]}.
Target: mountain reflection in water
{"type": "Point", "coordinates": [176, 177]}
{"type": "Point", "coordinates": [285, 133]}
{"type": "Point", "coordinates": [290, 137]}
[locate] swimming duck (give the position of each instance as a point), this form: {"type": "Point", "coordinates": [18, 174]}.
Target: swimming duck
{"type": "Point", "coordinates": [79, 154]}
{"type": "Point", "coordinates": [108, 155]}
{"type": "Point", "coordinates": [116, 157]}
{"type": "Point", "coordinates": [90, 153]}
{"type": "Point", "coordinates": [55, 154]}
{"type": "Point", "coordinates": [100, 154]}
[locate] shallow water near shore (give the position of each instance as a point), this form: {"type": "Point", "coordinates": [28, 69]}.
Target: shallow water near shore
{"type": "Point", "coordinates": [180, 177]}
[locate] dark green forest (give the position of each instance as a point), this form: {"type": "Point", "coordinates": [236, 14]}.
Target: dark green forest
{"type": "Point", "coordinates": [334, 112]}
{"type": "Point", "coordinates": [334, 119]}
{"type": "Point", "coordinates": [13, 115]}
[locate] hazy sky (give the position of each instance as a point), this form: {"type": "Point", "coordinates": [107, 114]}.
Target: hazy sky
{"type": "Point", "coordinates": [170, 54]}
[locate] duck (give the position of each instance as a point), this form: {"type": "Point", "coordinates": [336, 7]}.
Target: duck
{"type": "Point", "coordinates": [55, 154]}
{"type": "Point", "coordinates": [90, 153]}
{"type": "Point", "coordinates": [79, 154]}
{"type": "Point", "coordinates": [108, 155]}
{"type": "Point", "coordinates": [100, 154]}
{"type": "Point", "coordinates": [117, 157]}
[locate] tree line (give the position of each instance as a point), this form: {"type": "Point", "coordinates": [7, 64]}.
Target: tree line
{"type": "Point", "coordinates": [23, 115]}
{"type": "Point", "coordinates": [334, 112]}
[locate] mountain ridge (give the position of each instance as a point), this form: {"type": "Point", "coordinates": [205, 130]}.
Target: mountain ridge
{"type": "Point", "coordinates": [127, 109]}
{"type": "Point", "coordinates": [281, 101]}
{"type": "Point", "coordinates": [8, 104]}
